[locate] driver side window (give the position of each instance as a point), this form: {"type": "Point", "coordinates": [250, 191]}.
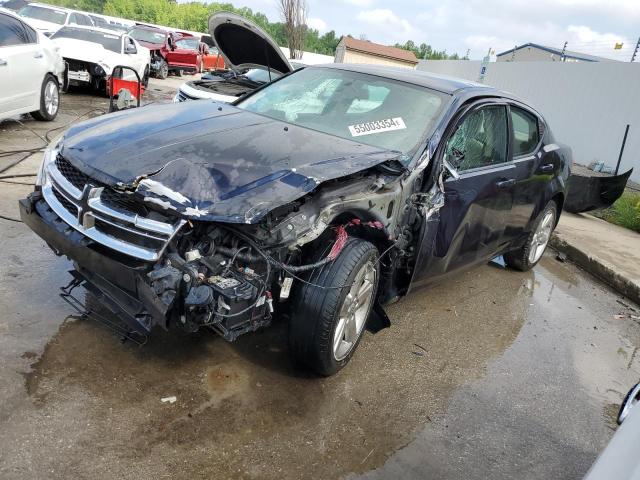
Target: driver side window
{"type": "Point", "coordinates": [479, 140]}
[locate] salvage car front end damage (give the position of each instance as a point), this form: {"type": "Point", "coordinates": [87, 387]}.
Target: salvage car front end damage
{"type": "Point", "coordinates": [323, 195]}
{"type": "Point", "coordinates": [173, 244]}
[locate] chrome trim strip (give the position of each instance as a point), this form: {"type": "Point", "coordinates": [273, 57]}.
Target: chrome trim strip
{"type": "Point", "coordinates": [154, 226]}
{"type": "Point", "coordinates": [61, 180]}
{"type": "Point", "coordinates": [127, 229]}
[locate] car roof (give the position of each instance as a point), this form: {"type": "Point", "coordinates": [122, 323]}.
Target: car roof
{"type": "Point", "coordinates": [55, 7]}
{"type": "Point", "coordinates": [95, 29]}
{"type": "Point", "coordinates": [441, 83]}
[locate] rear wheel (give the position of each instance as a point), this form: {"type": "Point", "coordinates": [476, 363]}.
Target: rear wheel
{"type": "Point", "coordinates": [526, 257]}
{"type": "Point", "coordinates": [331, 311]}
{"type": "Point", "coordinates": [49, 99]}
{"type": "Point", "coordinates": [163, 70]}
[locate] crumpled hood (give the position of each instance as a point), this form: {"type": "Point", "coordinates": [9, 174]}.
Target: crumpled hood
{"type": "Point", "coordinates": [212, 161]}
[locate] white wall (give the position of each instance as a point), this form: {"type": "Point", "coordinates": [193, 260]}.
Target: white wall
{"type": "Point", "coordinates": [587, 105]}
{"type": "Point", "coordinates": [309, 58]}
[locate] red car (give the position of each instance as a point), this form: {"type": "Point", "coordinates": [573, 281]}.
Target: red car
{"type": "Point", "coordinates": [210, 58]}
{"type": "Point", "coordinates": [168, 52]}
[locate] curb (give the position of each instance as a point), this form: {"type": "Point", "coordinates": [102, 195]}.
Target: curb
{"type": "Point", "coordinates": [598, 268]}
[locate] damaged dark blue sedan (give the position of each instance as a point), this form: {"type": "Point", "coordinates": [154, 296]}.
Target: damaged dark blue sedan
{"type": "Point", "coordinates": [323, 195]}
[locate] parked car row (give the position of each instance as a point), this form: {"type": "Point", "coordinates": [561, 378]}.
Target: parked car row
{"type": "Point", "coordinates": [176, 52]}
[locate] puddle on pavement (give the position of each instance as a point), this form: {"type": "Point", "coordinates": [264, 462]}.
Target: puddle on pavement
{"type": "Point", "coordinates": [256, 415]}
{"type": "Point", "coordinates": [248, 399]}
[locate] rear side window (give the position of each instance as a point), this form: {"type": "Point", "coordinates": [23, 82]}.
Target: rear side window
{"type": "Point", "coordinates": [526, 134]}
{"type": "Point", "coordinates": [85, 20]}
{"type": "Point", "coordinates": [479, 140]}
{"type": "Point", "coordinates": [12, 32]}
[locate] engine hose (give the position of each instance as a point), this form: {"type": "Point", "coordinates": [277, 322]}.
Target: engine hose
{"type": "Point", "coordinates": [248, 257]}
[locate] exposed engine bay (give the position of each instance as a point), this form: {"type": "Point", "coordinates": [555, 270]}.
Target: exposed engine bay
{"type": "Point", "coordinates": [231, 278]}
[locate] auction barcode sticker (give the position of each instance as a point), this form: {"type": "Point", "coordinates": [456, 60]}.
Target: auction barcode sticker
{"type": "Point", "coordinates": [377, 126]}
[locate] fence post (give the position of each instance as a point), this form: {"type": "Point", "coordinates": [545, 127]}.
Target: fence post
{"type": "Point", "coordinates": [624, 140]}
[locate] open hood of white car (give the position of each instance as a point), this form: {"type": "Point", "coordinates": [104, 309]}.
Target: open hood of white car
{"type": "Point", "coordinates": [244, 44]}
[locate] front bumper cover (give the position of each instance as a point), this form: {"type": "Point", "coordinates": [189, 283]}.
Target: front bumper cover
{"type": "Point", "coordinates": [119, 286]}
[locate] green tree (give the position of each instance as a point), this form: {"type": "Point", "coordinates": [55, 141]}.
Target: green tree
{"type": "Point", "coordinates": [194, 16]}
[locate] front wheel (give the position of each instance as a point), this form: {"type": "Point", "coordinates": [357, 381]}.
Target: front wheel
{"type": "Point", "coordinates": [331, 310]}
{"type": "Point", "coordinates": [49, 100]}
{"type": "Point", "coordinates": [526, 257]}
{"type": "Point", "coordinates": [145, 77]}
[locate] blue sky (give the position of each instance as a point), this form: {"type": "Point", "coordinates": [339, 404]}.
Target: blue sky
{"type": "Point", "coordinates": [590, 26]}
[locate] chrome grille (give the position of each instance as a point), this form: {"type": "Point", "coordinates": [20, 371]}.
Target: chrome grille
{"type": "Point", "coordinates": [68, 205]}
{"type": "Point", "coordinates": [106, 216]}
{"type": "Point", "coordinates": [71, 173]}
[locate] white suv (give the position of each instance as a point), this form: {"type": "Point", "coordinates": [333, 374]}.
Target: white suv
{"type": "Point", "coordinates": [49, 18]}
{"type": "Point", "coordinates": [31, 70]}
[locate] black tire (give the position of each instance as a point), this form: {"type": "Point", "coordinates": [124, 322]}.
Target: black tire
{"type": "Point", "coordinates": [316, 310]}
{"type": "Point", "coordinates": [520, 259]}
{"type": "Point", "coordinates": [145, 77]}
{"type": "Point", "coordinates": [163, 70]}
{"type": "Point", "coordinates": [49, 86]}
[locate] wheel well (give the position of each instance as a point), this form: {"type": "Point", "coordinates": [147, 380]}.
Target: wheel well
{"type": "Point", "coordinates": [379, 237]}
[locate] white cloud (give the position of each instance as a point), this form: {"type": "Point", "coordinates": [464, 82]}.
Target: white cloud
{"type": "Point", "coordinates": [384, 22]}
{"type": "Point", "coordinates": [361, 3]}
{"type": "Point", "coordinates": [584, 34]}
{"type": "Point", "coordinates": [317, 24]}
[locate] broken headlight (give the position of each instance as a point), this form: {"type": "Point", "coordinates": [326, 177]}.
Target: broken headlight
{"type": "Point", "coordinates": [50, 155]}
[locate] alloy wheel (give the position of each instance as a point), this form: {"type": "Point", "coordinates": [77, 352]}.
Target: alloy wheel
{"type": "Point", "coordinates": [51, 98]}
{"type": "Point", "coordinates": [541, 237]}
{"type": "Point", "coordinates": [354, 311]}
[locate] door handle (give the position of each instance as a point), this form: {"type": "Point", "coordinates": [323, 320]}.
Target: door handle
{"type": "Point", "coordinates": [3, 62]}
{"type": "Point", "coordinates": [37, 55]}
{"type": "Point", "coordinates": [548, 168]}
{"type": "Point", "coordinates": [506, 183]}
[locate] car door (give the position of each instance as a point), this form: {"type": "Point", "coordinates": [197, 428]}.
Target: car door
{"type": "Point", "coordinates": [532, 172]}
{"type": "Point", "coordinates": [478, 194]}
{"type": "Point", "coordinates": [22, 65]}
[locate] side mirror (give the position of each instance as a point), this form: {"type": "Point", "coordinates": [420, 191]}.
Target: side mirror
{"type": "Point", "coordinates": [130, 49]}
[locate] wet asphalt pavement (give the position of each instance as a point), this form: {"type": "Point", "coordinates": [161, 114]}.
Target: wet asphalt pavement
{"type": "Point", "coordinates": [492, 374]}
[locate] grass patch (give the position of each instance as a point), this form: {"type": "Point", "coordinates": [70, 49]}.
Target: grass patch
{"type": "Point", "coordinates": [625, 212]}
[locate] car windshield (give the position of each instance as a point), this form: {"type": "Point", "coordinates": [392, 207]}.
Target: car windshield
{"type": "Point", "coordinates": [374, 110]}
{"type": "Point", "coordinates": [188, 43]}
{"type": "Point", "coordinates": [43, 13]}
{"type": "Point", "coordinates": [148, 35]}
{"type": "Point", "coordinates": [108, 41]}
{"type": "Point", "coordinates": [260, 75]}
